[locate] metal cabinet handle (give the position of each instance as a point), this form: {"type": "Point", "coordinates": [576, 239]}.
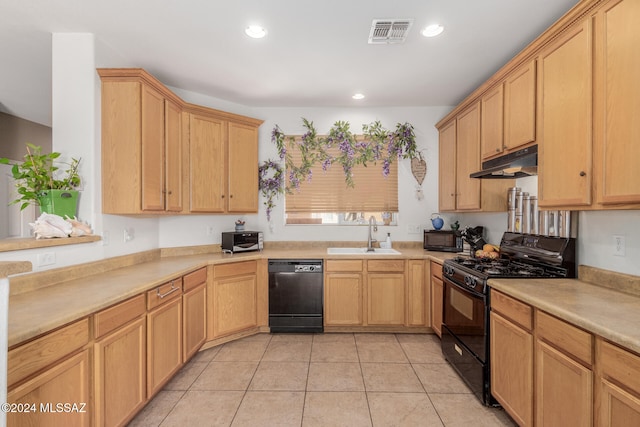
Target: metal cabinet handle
{"type": "Point", "coordinates": [583, 173]}
{"type": "Point", "coordinates": [231, 196]}
{"type": "Point", "coordinates": [172, 290]}
{"type": "Point", "coordinates": [497, 150]}
{"type": "Point", "coordinates": [223, 196]}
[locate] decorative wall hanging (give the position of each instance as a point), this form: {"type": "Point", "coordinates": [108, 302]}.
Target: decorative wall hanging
{"type": "Point", "coordinates": [377, 144]}
{"type": "Point", "coordinates": [419, 171]}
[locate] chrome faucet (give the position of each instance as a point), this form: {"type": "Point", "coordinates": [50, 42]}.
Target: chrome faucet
{"type": "Point", "coordinates": [370, 240]}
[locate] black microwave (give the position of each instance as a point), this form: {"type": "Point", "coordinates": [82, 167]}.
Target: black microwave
{"type": "Point", "coordinates": [443, 240]}
{"type": "Point", "coordinates": [242, 241]}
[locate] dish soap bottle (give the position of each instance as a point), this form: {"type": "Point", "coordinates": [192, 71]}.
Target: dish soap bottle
{"type": "Point", "coordinates": [388, 241]}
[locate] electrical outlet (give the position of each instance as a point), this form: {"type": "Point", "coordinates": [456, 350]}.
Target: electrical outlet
{"type": "Point", "coordinates": [619, 246]}
{"type": "Point", "coordinates": [413, 229]}
{"type": "Point", "coordinates": [47, 258]}
{"type": "Point", "coordinates": [129, 234]}
{"type": "Point", "coordinates": [209, 230]}
{"type": "Point", "coordinates": [105, 238]}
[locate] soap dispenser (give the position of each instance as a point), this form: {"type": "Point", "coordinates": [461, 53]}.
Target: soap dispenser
{"type": "Point", "coordinates": [388, 241]}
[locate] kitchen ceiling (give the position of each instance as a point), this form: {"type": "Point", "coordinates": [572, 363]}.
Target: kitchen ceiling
{"type": "Point", "coordinates": [315, 54]}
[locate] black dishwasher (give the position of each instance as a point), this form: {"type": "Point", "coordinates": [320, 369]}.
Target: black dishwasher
{"type": "Point", "coordinates": [295, 295]}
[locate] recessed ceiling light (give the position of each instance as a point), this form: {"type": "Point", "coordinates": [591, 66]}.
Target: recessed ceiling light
{"type": "Point", "coordinates": [255, 31]}
{"type": "Point", "coordinates": [432, 30]}
{"type": "Point", "coordinates": [358, 96]}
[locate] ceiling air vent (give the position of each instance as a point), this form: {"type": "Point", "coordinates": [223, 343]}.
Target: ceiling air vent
{"type": "Point", "coordinates": [387, 31]}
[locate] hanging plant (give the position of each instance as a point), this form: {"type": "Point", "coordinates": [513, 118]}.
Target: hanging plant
{"type": "Point", "coordinates": [270, 183]}
{"type": "Point", "coordinates": [377, 144]}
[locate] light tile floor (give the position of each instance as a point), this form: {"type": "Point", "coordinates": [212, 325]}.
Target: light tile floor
{"type": "Point", "coordinates": [313, 380]}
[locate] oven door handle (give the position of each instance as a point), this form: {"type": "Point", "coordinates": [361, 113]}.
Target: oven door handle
{"type": "Point", "coordinates": [465, 289]}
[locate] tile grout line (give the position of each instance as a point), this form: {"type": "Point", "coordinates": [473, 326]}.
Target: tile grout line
{"type": "Point", "coordinates": [246, 390]}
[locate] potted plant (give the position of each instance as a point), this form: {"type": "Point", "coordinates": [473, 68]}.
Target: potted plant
{"type": "Point", "coordinates": [40, 182]}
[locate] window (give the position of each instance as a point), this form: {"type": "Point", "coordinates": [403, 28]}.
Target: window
{"type": "Point", "coordinates": [326, 199]}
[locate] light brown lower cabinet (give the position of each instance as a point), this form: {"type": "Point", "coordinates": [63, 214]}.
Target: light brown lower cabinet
{"type": "Point", "coordinates": [343, 293]}
{"type": "Point", "coordinates": [437, 297]}
{"type": "Point", "coordinates": [233, 301]}
{"type": "Point", "coordinates": [511, 349]}
{"type": "Point", "coordinates": [194, 312]}
{"type": "Point", "coordinates": [418, 294]}
{"type": "Point", "coordinates": [120, 386]}
{"type": "Point", "coordinates": [164, 334]}
{"type": "Point", "coordinates": [59, 396]}
{"type": "Point", "coordinates": [386, 299]}
{"type": "Point", "coordinates": [564, 376]}
{"type": "Point", "coordinates": [618, 386]}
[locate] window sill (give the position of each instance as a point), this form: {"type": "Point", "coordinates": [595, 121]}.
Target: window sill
{"type": "Point", "coordinates": [19, 244]}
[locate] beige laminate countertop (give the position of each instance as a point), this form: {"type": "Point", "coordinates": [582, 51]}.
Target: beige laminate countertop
{"type": "Point", "coordinates": [36, 312]}
{"type": "Point", "coordinates": [602, 311]}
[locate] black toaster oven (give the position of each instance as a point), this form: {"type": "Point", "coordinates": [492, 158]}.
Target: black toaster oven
{"type": "Point", "coordinates": [242, 241]}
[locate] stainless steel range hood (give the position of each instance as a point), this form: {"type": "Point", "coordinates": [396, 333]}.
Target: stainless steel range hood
{"type": "Point", "coordinates": [519, 164]}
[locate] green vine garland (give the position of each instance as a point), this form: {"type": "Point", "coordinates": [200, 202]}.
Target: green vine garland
{"type": "Point", "coordinates": [377, 145]}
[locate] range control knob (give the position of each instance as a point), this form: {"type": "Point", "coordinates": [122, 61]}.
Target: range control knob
{"type": "Point", "coordinates": [470, 281]}
{"type": "Point", "coordinates": [448, 270]}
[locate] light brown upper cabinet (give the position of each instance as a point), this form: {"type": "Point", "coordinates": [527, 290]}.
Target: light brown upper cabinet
{"type": "Point", "coordinates": [161, 155]}
{"type": "Point", "coordinates": [141, 145]}
{"type": "Point", "coordinates": [565, 148]}
{"type": "Point", "coordinates": [223, 165]}
{"type": "Point", "coordinates": [509, 113]}
{"type": "Point", "coordinates": [459, 157]}
{"type": "Point", "coordinates": [617, 108]}
{"type": "Point", "coordinates": [207, 166]}
{"type": "Point", "coordinates": [520, 107]}
{"type": "Point", "coordinates": [492, 126]}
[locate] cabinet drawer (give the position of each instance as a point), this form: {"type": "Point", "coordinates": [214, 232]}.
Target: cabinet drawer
{"type": "Point", "coordinates": [620, 365]}
{"type": "Point", "coordinates": [385, 265]}
{"type": "Point", "coordinates": [192, 280]}
{"type": "Point", "coordinates": [38, 354]}
{"type": "Point", "coordinates": [115, 316]}
{"type": "Point", "coordinates": [333, 265]}
{"type": "Point", "coordinates": [513, 309]}
{"type": "Point", "coordinates": [436, 269]}
{"type": "Point", "coordinates": [234, 269]}
{"type": "Point", "coordinates": [163, 293]}
{"type": "Point", "coordinates": [564, 336]}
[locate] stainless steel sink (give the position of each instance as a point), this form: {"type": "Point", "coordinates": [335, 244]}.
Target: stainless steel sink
{"type": "Point", "coordinates": [361, 251]}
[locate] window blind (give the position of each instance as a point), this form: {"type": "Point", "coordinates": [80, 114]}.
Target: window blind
{"type": "Point", "coordinates": [328, 191]}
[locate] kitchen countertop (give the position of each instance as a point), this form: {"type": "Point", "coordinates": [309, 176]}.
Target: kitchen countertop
{"type": "Point", "coordinates": [600, 310]}
{"type": "Point", "coordinates": [603, 311]}
{"type": "Point", "coordinates": [46, 308]}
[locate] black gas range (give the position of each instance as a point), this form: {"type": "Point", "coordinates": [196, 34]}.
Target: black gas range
{"type": "Point", "coordinates": [466, 302]}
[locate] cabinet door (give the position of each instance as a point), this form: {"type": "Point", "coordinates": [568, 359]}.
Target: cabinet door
{"type": "Point", "coordinates": [468, 159]}
{"type": "Point", "coordinates": [563, 389]}
{"type": "Point", "coordinates": [447, 168]}
{"type": "Point", "coordinates": [243, 176]}
{"type": "Point", "coordinates": [234, 304]}
{"type": "Point", "coordinates": [564, 173]}
{"type": "Point", "coordinates": [343, 299]}
{"type": "Point", "coordinates": [65, 383]}
{"type": "Point", "coordinates": [153, 168]}
{"type": "Point", "coordinates": [207, 160]}
{"type": "Point", "coordinates": [194, 306]}
{"type": "Point", "coordinates": [492, 134]}
{"type": "Point", "coordinates": [620, 67]}
{"type": "Point", "coordinates": [385, 295]}
{"type": "Point", "coordinates": [512, 368]}
{"type": "Point", "coordinates": [173, 152]}
{"type": "Point", "coordinates": [120, 374]}
{"type": "Point", "coordinates": [520, 107]}
{"type": "Point", "coordinates": [618, 408]}
{"type": "Point", "coordinates": [164, 344]}
{"type": "Point", "coordinates": [437, 295]}
{"type": "Point", "coordinates": [417, 301]}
